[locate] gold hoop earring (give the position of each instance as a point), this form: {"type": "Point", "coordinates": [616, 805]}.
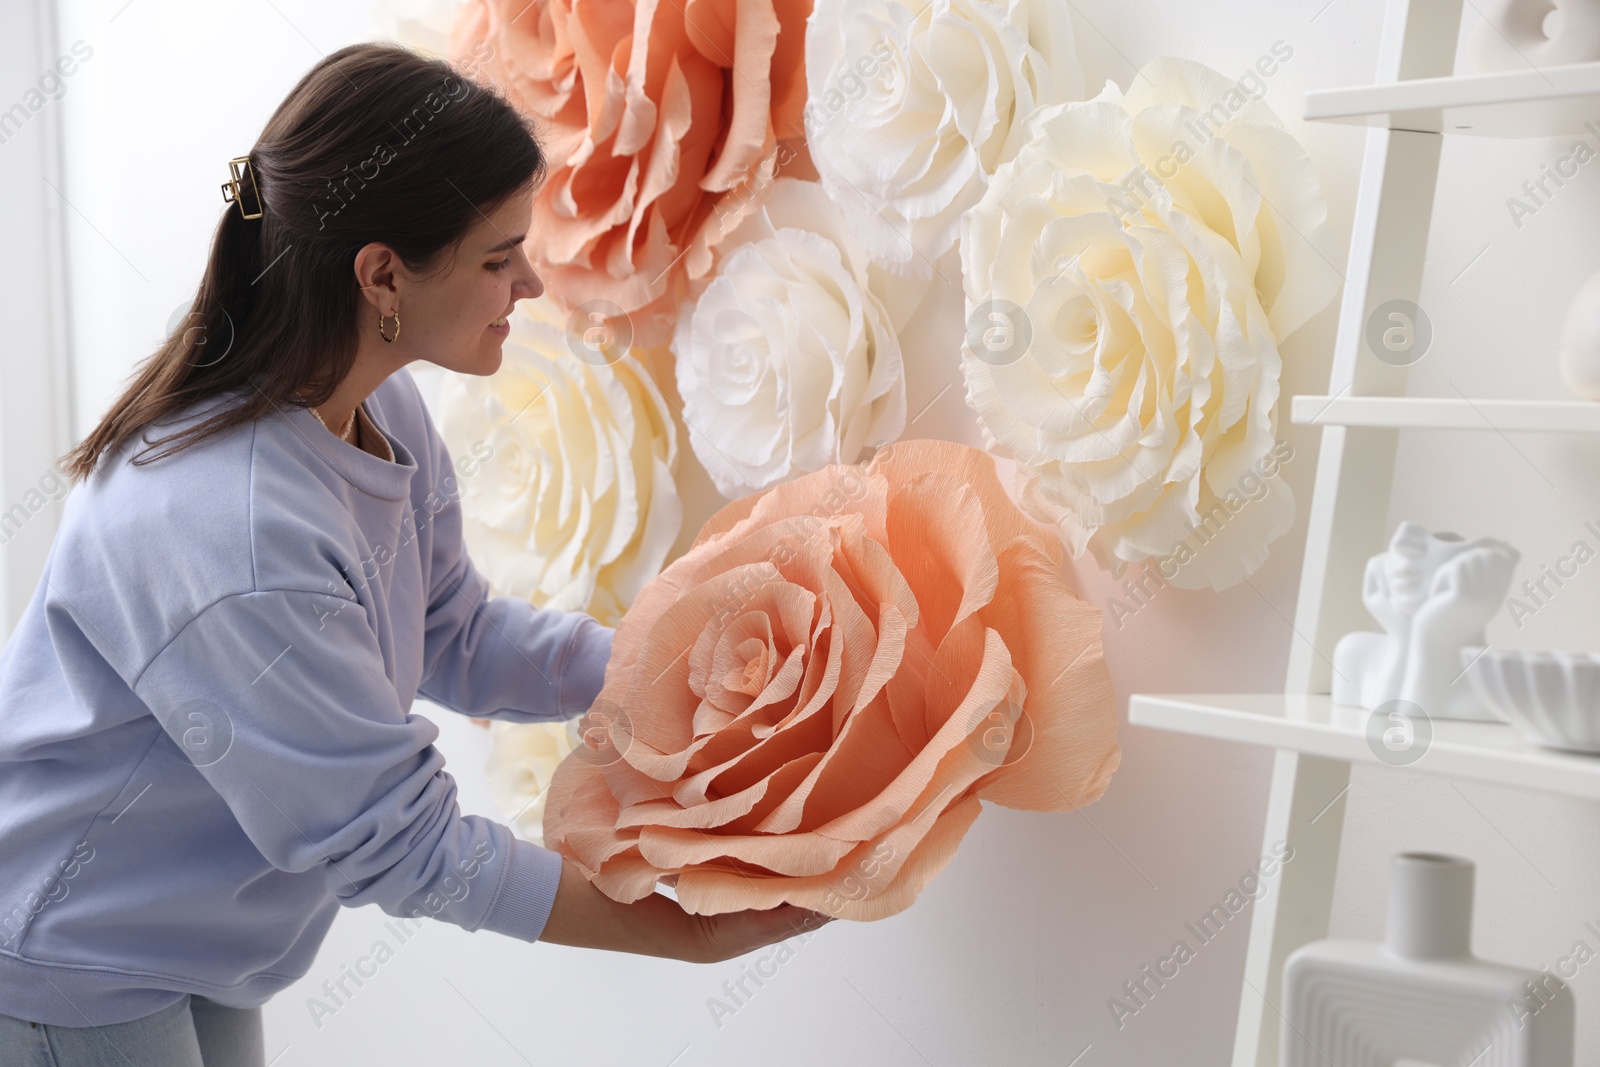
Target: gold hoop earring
{"type": "Point", "coordinates": [381, 317]}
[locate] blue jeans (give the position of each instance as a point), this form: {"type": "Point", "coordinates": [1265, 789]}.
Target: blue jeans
{"type": "Point", "coordinates": [194, 1032]}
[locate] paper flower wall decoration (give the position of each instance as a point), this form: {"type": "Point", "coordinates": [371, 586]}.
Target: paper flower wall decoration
{"type": "Point", "coordinates": [1128, 278]}
{"type": "Point", "coordinates": [808, 705]}
{"type": "Point", "coordinates": [790, 359]}
{"type": "Point", "coordinates": [661, 121]}
{"type": "Point", "coordinates": [914, 103]}
{"type": "Point", "coordinates": [567, 494]}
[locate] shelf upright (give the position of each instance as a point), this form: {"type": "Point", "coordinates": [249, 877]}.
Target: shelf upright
{"type": "Point", "coordinates": [1348, 515]}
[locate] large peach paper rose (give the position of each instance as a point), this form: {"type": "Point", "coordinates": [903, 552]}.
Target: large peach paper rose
{"type": "Point", "coordinates": [662, 121]}
{"type": "Point", "coordinates": [808, 705]}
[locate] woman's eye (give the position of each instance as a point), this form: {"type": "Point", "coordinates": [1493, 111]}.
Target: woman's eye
{"type": "Point", "coordinates": [499, 265]}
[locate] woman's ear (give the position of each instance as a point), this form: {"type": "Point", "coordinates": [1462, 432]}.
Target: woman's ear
{"type": "Point", "coordinates": [375, 273]}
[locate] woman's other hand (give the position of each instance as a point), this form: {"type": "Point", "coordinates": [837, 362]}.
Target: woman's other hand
{"type": "Point", "coordinates": [715, 938]}
{"type": "Point", "coordinates": [584, 917]}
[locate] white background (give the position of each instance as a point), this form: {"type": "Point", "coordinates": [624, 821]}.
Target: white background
{"type": "Point", "coordinates": [1013, 952]}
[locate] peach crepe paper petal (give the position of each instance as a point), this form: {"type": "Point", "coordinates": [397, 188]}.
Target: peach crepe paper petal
{"type": "Point", "coordinates": [662, 120]}
{"type": "Point", "coordinates": [809, 704]}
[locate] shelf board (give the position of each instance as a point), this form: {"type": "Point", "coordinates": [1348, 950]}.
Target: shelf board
{"type": "Point", "coordinates": [1485, 751]}
{"type": "Point", "coordinates": [1446, 413]}
{"type": "Point", "coordinates": [1554, 101]}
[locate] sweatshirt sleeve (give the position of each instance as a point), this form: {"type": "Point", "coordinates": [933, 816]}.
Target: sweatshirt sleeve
{"type": "Point", "coordinates": [499, 657]}
{"type": "Point", "coordinates": [281, 701]}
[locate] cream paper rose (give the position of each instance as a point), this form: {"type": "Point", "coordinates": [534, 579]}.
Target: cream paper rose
{"type": "Point", "coordinates": [914, 103]}
{"type": "Point", "coordinates": [572, 504]}
{"type": "Point", "coordinates": [522, 760]}
{"type": "Point", "coordinates": [790, 358]}
{"type": "Point", "coordinates": [423, 24]}
{"type": "Point", "coordinates": [1128, 277]}
{"type": "Point", "coordinates": [567, 455]}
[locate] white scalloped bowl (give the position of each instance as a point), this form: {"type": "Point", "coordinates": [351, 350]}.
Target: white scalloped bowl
{"type": "Point", "coordinates": [1553, 697]}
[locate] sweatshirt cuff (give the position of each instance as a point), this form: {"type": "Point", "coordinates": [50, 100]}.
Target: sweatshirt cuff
{"type": "Point", "coordinates": [583, 671]}
{"type": "Point", "coordinates": [528, 893]}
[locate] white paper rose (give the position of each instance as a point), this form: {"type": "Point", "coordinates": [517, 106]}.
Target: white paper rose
{"type": "Point", "coordinates": [1127, 285]}
{"type": "Point", "coordinates": [790, 358]}
{"type": "Point", "coordinates": [568, 498]}
{"type": "Point", "coordinates": [914, 103]}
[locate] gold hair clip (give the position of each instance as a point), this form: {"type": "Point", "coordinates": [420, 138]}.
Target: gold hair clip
{"type": "Point", "coordinates": [230, 188]}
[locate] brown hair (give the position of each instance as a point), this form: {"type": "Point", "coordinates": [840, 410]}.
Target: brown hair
{"type": "Point", "coordinates": [375, 143]}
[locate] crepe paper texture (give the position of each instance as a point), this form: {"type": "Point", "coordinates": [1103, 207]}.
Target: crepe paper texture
{"type": "Point", "coordinates": [790, 359]}
{"type": "Point", "coordinates": [809, 705]}
{"type": "Point", "coordinates": [914, 103]}
{"type": "Point", "coordinates": [662, 120]}
{"type": "Point", "coordinates": [566, 468]}
{"type": "Point", "coordinates": [1141, 259]}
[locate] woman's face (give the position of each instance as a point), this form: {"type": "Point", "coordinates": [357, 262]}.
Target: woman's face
{"type": "Point", "coordinates": [457, 317]}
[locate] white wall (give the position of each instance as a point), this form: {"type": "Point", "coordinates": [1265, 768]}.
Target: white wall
{"type": "Point", "coordinates": [1013, 952]}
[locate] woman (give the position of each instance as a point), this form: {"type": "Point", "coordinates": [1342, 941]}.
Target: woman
{"type": "Point", "coordinates": [205, 745]}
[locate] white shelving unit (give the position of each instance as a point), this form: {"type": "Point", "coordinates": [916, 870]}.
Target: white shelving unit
{"type": "Point", "coordinates": [1525, 103]}
{"type": "Point", "coordinates": [1446, 413]}
{"type": "Point", "coordinates": [1416, 101]}
{"type": "Point", "coordinates": [1313, 724]}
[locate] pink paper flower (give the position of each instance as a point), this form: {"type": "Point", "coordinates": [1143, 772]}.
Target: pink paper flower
{"type": "Point", "coordinates": [662, 120]}
{"type": "Point", "coordinates": [808, 706]}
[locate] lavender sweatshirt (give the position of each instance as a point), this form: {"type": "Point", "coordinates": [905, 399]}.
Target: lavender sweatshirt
{"type": "Point", "coordinates": [206, 744]}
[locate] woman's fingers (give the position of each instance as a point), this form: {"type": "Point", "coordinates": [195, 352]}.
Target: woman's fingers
{"type": "Point", "coordinates": [736, 933]}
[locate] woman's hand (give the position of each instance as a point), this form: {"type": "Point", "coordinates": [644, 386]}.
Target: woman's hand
{"type": "Point", "coordinates": [584, 917]}
{"type": "Point", "coordinates": [722, 937]}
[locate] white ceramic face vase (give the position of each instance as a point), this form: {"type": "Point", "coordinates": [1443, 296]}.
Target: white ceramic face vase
{"type": "Point", "coordinates": [1432, 594]}
{"type": "Point", "coordinates": [1533, 34]}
